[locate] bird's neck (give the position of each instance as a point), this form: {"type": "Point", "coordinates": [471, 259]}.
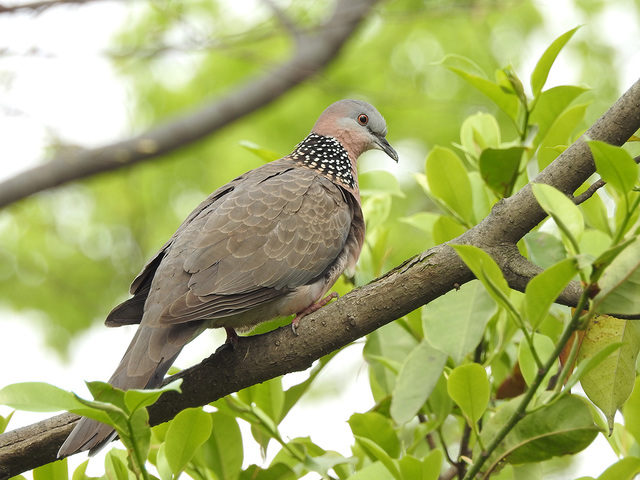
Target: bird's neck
{"type": "Point", "coordinates": [328, 157]}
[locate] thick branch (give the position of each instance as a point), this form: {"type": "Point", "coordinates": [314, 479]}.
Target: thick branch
{"type": "Point", "coordinates": [314, 51]}
{"type": "Point", "coordinates": [261, 357]}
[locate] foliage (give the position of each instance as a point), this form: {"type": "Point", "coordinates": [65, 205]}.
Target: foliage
{"type": "Point", "coordinates": [442, 378]}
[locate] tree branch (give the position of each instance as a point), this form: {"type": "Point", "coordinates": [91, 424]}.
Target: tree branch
{"type": "Point", "coordinates": [595, 186]}
{"type": "Point", "coordinates": [39, 7]}
{"type": "Point", "coordinates": [314, 50]}
{"type": "Point", "coordinates": [416, 282]}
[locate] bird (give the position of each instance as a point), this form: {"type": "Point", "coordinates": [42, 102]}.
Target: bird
{"type": "Point", "coordinates": [270, 243]}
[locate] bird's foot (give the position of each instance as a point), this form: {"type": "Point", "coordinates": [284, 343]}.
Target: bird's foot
{"type": "Point", "coordinates": [310, 309]}
{"type": "Point", "coordinates": [232, 337]}
{"type": "Point", "coordinates": [231, 341]}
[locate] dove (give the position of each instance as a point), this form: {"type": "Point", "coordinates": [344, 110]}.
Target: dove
{"type": "Point", "coordinates": [270, 243]}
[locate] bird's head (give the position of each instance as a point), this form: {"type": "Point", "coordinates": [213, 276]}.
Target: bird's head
{"type": "Point", "coordinates": [357, 125]}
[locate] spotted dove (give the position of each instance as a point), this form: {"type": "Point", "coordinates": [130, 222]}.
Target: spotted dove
{"type": "Point", "coordinates": [270, 243]}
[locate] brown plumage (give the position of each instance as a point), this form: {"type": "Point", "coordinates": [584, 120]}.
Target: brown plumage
{"type": "Point", "coordinates": [270, 243]}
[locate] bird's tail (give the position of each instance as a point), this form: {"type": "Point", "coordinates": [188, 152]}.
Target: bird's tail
{"type": "Point", "coordinates": [144, 365]}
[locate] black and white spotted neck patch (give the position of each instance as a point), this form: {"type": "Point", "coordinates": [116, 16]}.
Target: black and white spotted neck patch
{"type": "Point", "coordinates": [327, 156]}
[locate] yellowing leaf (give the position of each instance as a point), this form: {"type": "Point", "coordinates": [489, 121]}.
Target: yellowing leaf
{"type": "Point", "coordinates": [609, 384]}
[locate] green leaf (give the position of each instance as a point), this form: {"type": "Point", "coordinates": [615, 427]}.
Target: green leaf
{"type": "Point", "coordinates": [268, 396]}
{"type": "Point", "coordinates": [454, 323]}
{"type": "Point", "coordinates": [52, 471]}
{"type": "Point", "coordinates": [37, 397]}
{"type": "Point", "coordinates": [563, 427]}
{"type": "Point", "coordinates": [564, 212]}
{"type": "Point", "coordinates": [610, 383]}
{"type": "Point", "coordinates": [449, 182]}
{"type": "Point", "coordinates": [277, 471]}
{"type": "Point", "coordinates": [631, 412]}
{"type": "Point", "coordinates": [373, 471]}
{"type": "Point", "coordinates": [135, 399]}
{"type": "Point", "coordinates": [469, 387]}
{"type": "Point", "coordinates": [80, 472]}
{"type": "Point", "coordinates": [376, 209]}
{"type": "Point", "coordinates": [115, 465]}
{"type": "Point", "coordinates": [544, 249]}
{"type": "Point", "coordinates": [445, 229]}
{"type": "Point", "coordinates": [323, 463]}
{"type": "Point", "coordinates": [376, 182]}
{"type": "Point", "coordinates": [4, 422]}
{"type": "Point", "coordinates": [377, 428]}
{"type": "Point", "coordinates": [42, 397]}
{"type": "Point", "coordinates": [423, 221]}
{"type": "Point", "coordinates": [615, 166]}
{"type": "Point", "coordinates": [481, 202]}
{"type": "Point", "coordinates": [417, 378]}
{"type": "Point", "coordinates": [620, 283]}
{"type": "Point", "coordinates": [261, 152]}
{"type": "Point", "coordinates": [223, 451]}
{"type": "Point", "coordinates": [187, 431]}
{"type": "Point", "coordinates": [507, 102]}
{"type": "Point", "coordinates": [162, 464]}
{"type": "Point", "coordinates": [391, 342]}
{"type": "Point", "coordinates": [508, 79]}
{"type": "Point", "coordinates": [136, 436]}
{"type": "Point", "coordinates": [294, 393]}
{"type": "Point", "coordinates": [479, 131]}
{"type": "Point", "coordinates": [428, 468]}
{"type": "Point", "coordinates": [549, 105]}
{"type": "Point", "coordinates": [528, 366]}
{"type": "Point", "coordinates": [560, 134]}
{"type": "Point", "coordinates": [595, 213]}
{"type": "Point", "coordinates": [487, 271]}
{"type": "Point", "coordinates": [541, 70]}
{"type": "Point", "coordinates": [543, 290]}
{"type": "Point", "coordinates": [499, 168]}
{"type": "Point", "coordinates": [376, 453]}
{"type": "Point", "coordinates": [624, 469]}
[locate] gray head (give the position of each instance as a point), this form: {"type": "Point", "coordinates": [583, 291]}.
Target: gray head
{"type": "Point", "coordinates": [357, 125]}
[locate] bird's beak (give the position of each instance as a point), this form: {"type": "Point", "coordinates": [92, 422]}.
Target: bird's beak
{"type": "Point", "coordinates": [382, 144]}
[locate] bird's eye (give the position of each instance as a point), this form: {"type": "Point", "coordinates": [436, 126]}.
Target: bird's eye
{"type": "Point", "coordinates": [363, 119]}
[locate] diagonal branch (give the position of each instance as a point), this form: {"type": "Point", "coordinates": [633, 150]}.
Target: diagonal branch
{"type": "Point", "coordinates": [314, 50]}
{"type": "Point", "coordinates": [41, 6]}
{"type": "Point", "coordinates": [414, 283]}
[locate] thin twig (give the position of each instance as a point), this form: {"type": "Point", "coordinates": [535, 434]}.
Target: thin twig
{"type": "Point", "coordinates": [588, 193]}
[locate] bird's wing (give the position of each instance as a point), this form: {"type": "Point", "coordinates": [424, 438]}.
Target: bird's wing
{"type": "Point", "coordinates": [279, 228]}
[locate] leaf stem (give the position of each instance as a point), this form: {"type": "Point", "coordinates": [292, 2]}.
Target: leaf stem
{"type": "Point", "coordinates": [619, 234]}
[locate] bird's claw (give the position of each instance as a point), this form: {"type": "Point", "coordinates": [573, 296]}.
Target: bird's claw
{"type": "Point", "coordinates": [310, 309]}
